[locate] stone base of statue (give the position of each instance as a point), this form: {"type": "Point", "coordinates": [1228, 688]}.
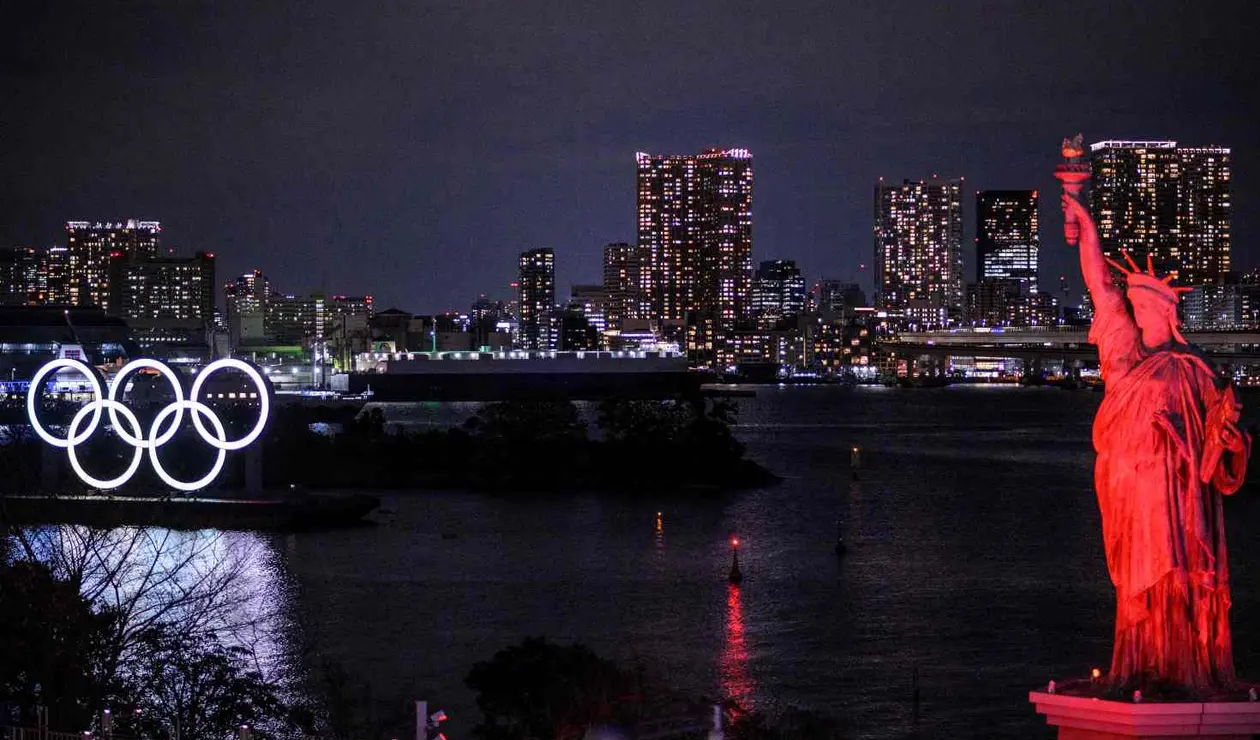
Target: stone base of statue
{"type": "Point", "coordinates": [1087, 718]}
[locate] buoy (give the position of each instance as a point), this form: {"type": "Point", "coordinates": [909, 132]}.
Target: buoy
{"type": "Point", "coordinates": [735, 577]}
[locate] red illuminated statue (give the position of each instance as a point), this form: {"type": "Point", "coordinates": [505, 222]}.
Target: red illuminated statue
{"type": "Point", "coordinates": [1168, 446]}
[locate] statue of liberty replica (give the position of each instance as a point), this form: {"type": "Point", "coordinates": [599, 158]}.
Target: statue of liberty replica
{"type": "Point", "coordinates": [1168, 449]}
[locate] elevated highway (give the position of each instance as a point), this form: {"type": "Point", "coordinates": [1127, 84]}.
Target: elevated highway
{"type": "Point", "coordinates": [1042, 344]}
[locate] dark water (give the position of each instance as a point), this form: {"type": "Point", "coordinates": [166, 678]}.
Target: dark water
{"type": "Point", "coordinates": [975, 560]}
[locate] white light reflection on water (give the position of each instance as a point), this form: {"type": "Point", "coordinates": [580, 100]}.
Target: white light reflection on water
{"type": "Point", "coordinates": [230, 583]}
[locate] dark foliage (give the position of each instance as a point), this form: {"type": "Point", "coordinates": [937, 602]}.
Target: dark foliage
{"type": "Point", "coordinates": [527, 445]}
{"type": "Point", "coordinates": [791, 724]}
{"type": "Point", "coordinates": [205, 688]}
{"type": "Point", "coordinates": [539, 689]}
{"type": "Point", "coordinates": [51, 641]}
{"type": "Point", "coordinates": [56, 649]}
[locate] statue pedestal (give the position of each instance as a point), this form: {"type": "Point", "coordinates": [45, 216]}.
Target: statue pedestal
{"type": "Point", "coordinates": [1081, 718]}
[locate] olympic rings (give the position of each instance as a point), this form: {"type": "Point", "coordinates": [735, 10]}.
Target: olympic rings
{"type": "Point", "coordinates": [156, 438]}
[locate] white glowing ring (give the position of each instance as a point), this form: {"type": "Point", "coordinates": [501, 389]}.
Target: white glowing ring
{"type": "Point", "coordinates": [155, 438]}
{"type": "Point", "coordinates": [264, 402]}
{"type": "Point", "coordinates": [33, 393]}
{"type": "Point", "coordinates": [120, 382]}
{"type": "Point", "coordinates": [196, 408]}
{"type": "Point", "coordinates": [95, 407]}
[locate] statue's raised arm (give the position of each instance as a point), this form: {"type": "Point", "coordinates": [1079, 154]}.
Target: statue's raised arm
{"type": "Point", "coordinates": [1114, 330]}
{"type": "Point", "coordinates": [1104, 293]}
{"type": "Point", "coordinates": [1078, 227]}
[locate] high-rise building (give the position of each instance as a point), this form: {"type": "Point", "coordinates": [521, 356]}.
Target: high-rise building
{"type": "Point", "coordinates": [778, 292]}
{"type": "Point", "coordinates": [838, 298]}
{"type": "Point", "coordinates": [918, 251]}
{"type": "Point", "coordinates": [625, 270]}
{"type": "Point", "coordinates": [536, 294]}
{"type": "Point", "coordinates": [1213, 308]}
{"type": "Point", "coordinates": [245, 299]}
{"type": "Point", "coordinates": [294, 320]}
{"type": "Point", "coordinates": [487, 309]}
{"type": "Point", "coordinates": [1008, 244]}
{"type": "Point", "coordinates": [165, 300]}
{"type": "Point", "coordinates": [1171, 202]}
{"type": "Point", "coordinates": [81, 274]}
{"type": "Point", "coordinates": [54, 271]}
{"type": "Point", "coordinates": [164, 287]}
{"type": "Point", "coordinates": [591, 301]}
{"type": "Point", "coordinates": [348, 305]}
{"type": "Point", "coordinates": [998, 301]}
{"type": "Point", "coordinates": [695, 221]}
{"type": "Point", "coordinates": [21, 277]}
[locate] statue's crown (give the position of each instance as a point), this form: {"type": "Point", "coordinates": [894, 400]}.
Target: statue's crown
{"type": "Point", "coordinates": [1139, 279]}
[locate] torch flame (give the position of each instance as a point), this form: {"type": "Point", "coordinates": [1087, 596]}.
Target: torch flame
{"type": "Point", "coordinates": [1074, 147]}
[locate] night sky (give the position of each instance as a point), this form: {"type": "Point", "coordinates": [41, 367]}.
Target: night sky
{"type": "Point", "coordinates": [412, 149]}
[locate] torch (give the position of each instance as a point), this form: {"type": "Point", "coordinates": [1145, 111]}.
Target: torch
{"type": "Point", "coordinates": [1073, 172]}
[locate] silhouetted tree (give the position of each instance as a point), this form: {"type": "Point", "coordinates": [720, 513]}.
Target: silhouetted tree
{"type": "Point", "coordinates": [542, 690]}
{"type": "Point", "coordinates": [202, 687]}
{"type": "Point", "coordinates": [528, 422]}
{"type": "Point", "coordinates": [51, 644]}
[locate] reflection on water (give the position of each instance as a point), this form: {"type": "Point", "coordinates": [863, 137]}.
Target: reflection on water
{"type": "Point", "coordinates": [974, 563]}
{"type": "Point", "coordinates": [737, 685]}
{"type": "Point", "coordinates": [229, 583]}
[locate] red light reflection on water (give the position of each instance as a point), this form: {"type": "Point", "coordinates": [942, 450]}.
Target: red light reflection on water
{"type": "Point", "coordinates": [737, 685]}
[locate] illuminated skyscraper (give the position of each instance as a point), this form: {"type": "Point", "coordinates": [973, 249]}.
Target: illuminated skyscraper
{"type": "Point", "coordinates": [1007, 242]}
{"type": "Point", "coordinates": [592, 302]}
{"type": "Point", "coordinates": [778, 292]}
{"type": "Point", "coordinates": [918, 250]}
{"type": "Point", "coordinates": [80, 276]}
{"type": "Point", "coordinates": [695, 221]}
{"type": "Point", "coordinates": [246, 300]}
{"type": "Point", "coordinates": [536, 292]}
{"type": "Point", "coordinates": [21, 277]}
{"type": "Point", "coordinates": [163, 288]}
{"type": "Point", "coordinates": [165, 300]}
{"type": "Point", "coordinates": [294, 320]}
{"type": "Point", "coordinates": [625, 268]}
{"type": "Point", "coordinates": [1169, 201]}
{"type": "Point", "coordinates": [340, 306]}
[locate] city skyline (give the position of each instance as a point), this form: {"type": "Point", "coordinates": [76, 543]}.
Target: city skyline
{"type": "Point", "coordinates": [122, 234]}
{"type": "Point", "coordinates": [422, 148]}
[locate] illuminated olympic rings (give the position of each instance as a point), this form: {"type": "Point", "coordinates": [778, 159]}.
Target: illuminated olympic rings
{"type": "Point", "coordinates": [128, 427]}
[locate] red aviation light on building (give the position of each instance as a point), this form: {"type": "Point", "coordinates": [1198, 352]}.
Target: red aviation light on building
{"type": "Point", "coordinates": [115, 255]}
